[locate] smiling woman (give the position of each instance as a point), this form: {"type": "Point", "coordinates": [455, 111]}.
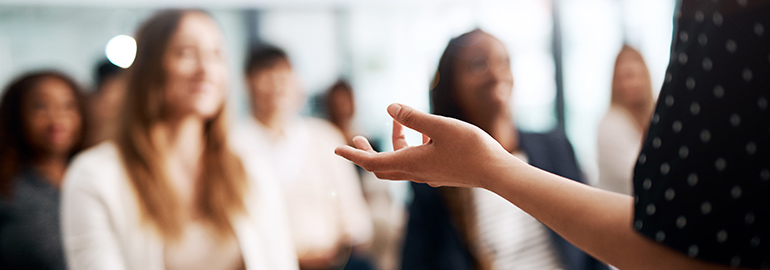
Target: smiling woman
{"type": "Point", "coordinates": [168, 193]}
{"type": "Point", "coordinates": [41, 119]}
{"type": "Point", "coordinates": [700, 190]}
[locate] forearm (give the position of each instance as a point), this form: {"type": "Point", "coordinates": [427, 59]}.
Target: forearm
{"type": "Point", "coordinates": [599, 222]}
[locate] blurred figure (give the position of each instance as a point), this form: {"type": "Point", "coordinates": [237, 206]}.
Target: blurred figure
{"type": "Point", "coordinates": [621, 130]}
{"type": "Point", "coordinates": [341, 108]}
{"type": "Point", "coordinates": [388, 213]}
{"type": "Point", "coordinates": [327, 212]}
{"type": "Point", "coordinates": [41, 128]}
{"type": "Point", "coordinates": [106, 101]}
{"type": "Point", "coordinates": [472, 228]}
{"type": "Point", "coordinates": [168, 193]}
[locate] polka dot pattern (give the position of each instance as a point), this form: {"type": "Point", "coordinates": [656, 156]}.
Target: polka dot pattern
{"type": "Point", "coordinates": [702, 181]}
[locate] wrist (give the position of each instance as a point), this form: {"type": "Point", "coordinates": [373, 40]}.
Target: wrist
{"type": "Point", "coordinates": [502, 171]}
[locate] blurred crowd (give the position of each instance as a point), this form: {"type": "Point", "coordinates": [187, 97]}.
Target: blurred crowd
{"type": "Point", "coordinates": [148, 172]}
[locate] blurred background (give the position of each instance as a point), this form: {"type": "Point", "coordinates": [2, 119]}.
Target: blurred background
{"type": "Point", "coordinates": [562, 51]}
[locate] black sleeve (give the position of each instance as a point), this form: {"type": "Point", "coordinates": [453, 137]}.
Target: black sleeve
{"type": "Point", "coordinates": [702, 180]}
{"type": "Point", "coordinates": [431, 240]}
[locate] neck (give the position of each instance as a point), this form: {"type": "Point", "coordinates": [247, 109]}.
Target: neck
{"type": "Point", "coordinates": [501, 127]}
{"type": "Point", "coordinates": [52, 167]}
{"type": "Point", "coordinates": [183, 139]}
{"type": "Point", "coordinates": [273, 122]}
{"type": "Point", "coordinates": [345, 127]}
{"type": "Point", "coordinates": [641, 114]}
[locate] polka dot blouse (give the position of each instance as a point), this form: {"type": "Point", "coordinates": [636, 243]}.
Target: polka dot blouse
{"type": "Point", "coordinates": [702, 181]}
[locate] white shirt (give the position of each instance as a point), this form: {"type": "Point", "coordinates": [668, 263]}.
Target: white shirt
{"type": "Point", "coordinates": [619, 143]}
{"type": "Point", "coordinates": [514, 239]}
{"type": "Point", "coordinates": [323, 193]}
{"type": "Point", "coordinates": [102, 227]}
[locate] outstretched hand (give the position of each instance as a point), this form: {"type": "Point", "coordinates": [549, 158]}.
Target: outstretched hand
{"type": "Point", "coordinates": [453, 153]}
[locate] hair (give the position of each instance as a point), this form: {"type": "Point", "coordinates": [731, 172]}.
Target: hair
{"type": "Point", "coordinates": [643, 111]}
{"type": "Point", "coordinates": [223, 178]}
{"type": "Point", "coordinates": [263, 57]}
{"type": "Point", "coordinates": [443, 102]}
{"type": "Point", "coordinates": [442, 95]}
{"type": "Point", "coordinates": [16, 151]}
{"type": "Point", "coordinates": [104, 71]}
{"type": "Point", "coordinates": [341, 85]}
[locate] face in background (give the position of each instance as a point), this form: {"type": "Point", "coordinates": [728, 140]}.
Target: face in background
{"type": "Point", "coordinates": [484, 82]}
{"type": "Point", "coordinates": [106, 104]}
{"type": "Point", "coordinates": [196, 73]}
{"type": "Point", "coordinates": [632, 83]}
{"type": "Point", "coordinates": [51, 117]}
{"type": "Point", "coordinates": [341, 105]}
{"type": "Point", "coordinates": [275, 91]}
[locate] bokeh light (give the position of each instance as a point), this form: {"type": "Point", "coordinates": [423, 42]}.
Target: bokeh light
{"type": "Point", "coordinates": [121, 50]}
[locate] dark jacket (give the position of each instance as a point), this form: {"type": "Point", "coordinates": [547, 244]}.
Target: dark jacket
{"type": "Point", "coordinates": [432, 240]}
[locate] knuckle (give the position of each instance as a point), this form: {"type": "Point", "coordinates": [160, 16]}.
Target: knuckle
{"type": "Point", "coordinates": [406, 116]}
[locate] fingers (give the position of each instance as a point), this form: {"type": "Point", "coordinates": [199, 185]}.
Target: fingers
{"type": "Point", "coordinates": [357, 156]}
{"type": "Point", "coordinates": [372, 161]}
{"type": "Point", "coordinates": [363, 144]}
{"type": "Point", "coordinates": [428, 124]}
{"type": "Point", "coordinates": [399, 140]}
{"type": "Point", "coordinates": [392, 176]}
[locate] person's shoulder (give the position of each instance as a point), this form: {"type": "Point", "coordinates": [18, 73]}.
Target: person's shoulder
{"type": "Point", "coordinates": [245, 127]}
{"type": "Point", "coordinates": [100, 154]}
{"type": "Point", "coordinates": [320, 125]}
{"type": "Point", "coordinates": [257, 170]}
{"type": "Point", "coordinates": [615, 117]}
{"type": "Point", "coordinates": [95, 166]}
{"type": "Point", "coordinates": [262, 181]}
{"type": "Point", "coordinates": [323, 129]}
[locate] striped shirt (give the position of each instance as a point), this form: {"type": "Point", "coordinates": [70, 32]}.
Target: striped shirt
{"type": "Point", "coordinates": [514, 239]}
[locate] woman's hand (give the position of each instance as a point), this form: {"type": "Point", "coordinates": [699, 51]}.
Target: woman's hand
{"type": "Point", "coordinates": [453, 153]}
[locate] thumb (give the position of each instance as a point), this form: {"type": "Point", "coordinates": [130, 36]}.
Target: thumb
{"type": "Point", "coordinates": [427, 124]}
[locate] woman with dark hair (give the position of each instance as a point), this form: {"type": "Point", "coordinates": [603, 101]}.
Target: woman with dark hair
{"type": "Point", "coordinates": [341, 108]}
{"type": "Point", "coordinates": [168, 192]}
{"type": "Point", "coordinates": [701, 180]}
{"type": "Point", "coordinates": [467, 228]}
{"type": "Point", "coordinates": [41, 124]}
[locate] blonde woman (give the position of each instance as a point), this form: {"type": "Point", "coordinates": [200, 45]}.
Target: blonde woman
{"type": "Point", "coordinates": [169, 193]}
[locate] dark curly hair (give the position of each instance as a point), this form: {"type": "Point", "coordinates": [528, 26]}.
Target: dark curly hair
{"type": "Point", "coordinates": [16, 152]}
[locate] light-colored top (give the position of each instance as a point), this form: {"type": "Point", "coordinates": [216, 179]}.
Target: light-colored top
{"type": "Point", "coordinates": [514, 239]}
{"type": "Point", "coordinates": [201, 249]}
{"type": "Point", "coordinates": [619, 143]}
{"type": "Point", "coordinates": [323, 194]}
{"type": "Point", "coordinates": [102, 227]}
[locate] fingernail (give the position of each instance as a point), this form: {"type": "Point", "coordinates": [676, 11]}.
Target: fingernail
{"type": "Point", "coordinates": [393, 109]}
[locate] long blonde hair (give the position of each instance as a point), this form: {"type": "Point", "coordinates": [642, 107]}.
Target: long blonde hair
{"type": "Point", "coordinates": [223, 178]}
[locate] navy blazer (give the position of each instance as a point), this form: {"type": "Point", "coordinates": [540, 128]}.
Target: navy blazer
{"type": "Point", "coordinates": [432, 240]}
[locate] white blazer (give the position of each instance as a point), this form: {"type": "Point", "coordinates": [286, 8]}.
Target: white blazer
{"type": "Point", "coordinates": [102, 227]}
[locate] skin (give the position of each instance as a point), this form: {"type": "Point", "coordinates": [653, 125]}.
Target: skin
{"type": "Point", "coordinates": [343, 110]}
{"type": "Point", "coordinates": [52, 125]}
{"type": "Point", "coordinates": [276, 95]}
{"type": "Point", "coordinates": [632, 78]}
{"type": "Point", "coordinates": [343, 105]}
{"type": "Point", "coordinates": [632, 88]}
{"type": "Point", "coordinates": [105, 107]}
{"type": "Point", "coordinates": [455, 153]}
{"type": "Point", "coordinates": [196, 77]}
{"type": "Point", "coordinates": [484, 86]}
